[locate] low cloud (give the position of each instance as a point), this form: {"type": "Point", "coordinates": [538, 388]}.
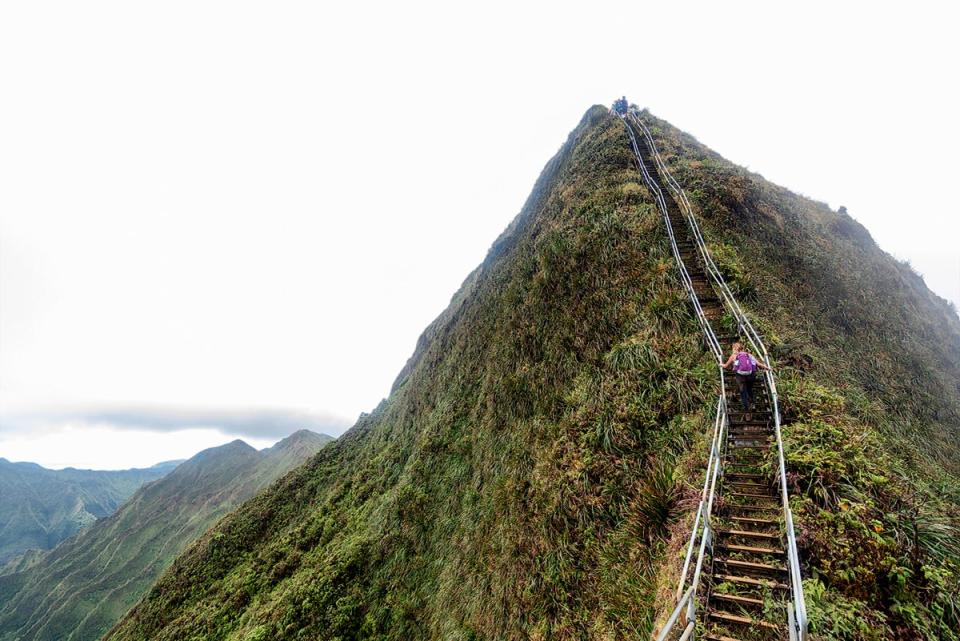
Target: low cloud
{"type": "Point", "coordinates": [252, 423]}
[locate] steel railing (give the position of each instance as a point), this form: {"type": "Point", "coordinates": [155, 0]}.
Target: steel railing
{"type": "Point", "coordinates": [796, 611]}
{"type": "Point", "coordinates": [712, 342]}
{"type": "Point", "coordinates": [702, 522]}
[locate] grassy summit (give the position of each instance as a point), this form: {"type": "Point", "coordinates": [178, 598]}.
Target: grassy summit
{"type": "Point", "coordinates": [534, 471]}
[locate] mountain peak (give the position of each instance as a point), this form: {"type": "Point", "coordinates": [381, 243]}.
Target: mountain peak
{"type": "Point", "coordinates": [233, 447]}
{"type": "Point", "coordinates": [298, 438]}
{"type": "Point", "coordinates": [230, 456]}
{"type": "Point", "coordinates": [539, 448]}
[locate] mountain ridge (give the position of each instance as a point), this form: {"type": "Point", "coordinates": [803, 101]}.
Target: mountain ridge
{"type": "Point", "coordinates": [534, 472]}
{"type": "Point", "coordinates": [43, 506]}
{"type": "Point", "coordinates": [72, 594]}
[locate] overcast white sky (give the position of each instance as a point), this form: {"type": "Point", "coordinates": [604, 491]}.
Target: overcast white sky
{"type": "Point", "coordinates": [222, 207]}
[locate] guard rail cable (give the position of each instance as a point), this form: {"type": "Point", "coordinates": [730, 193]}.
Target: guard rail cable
{"type": "Point", "coordinates": [796, 610]}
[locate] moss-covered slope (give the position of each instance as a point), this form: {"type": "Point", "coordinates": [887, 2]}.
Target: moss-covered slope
{"type": "Point", "coordinates": [532, 474]}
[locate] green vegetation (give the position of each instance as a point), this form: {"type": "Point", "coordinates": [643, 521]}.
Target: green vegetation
{"type": "Point", "coordinates": [869, 367]}
{"type": "Point", "coordinates": [533, 474]}
{"type": "Point", "coordinates": [77, 591]}
{"type": "Point", "coordinates": [42, 507]}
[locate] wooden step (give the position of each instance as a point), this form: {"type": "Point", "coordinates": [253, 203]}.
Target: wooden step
{"type": "Point", "coordinates": [756, 491]}
{"type": "Point", "coordinates": [750, 548]}
{"type": "Point", "coordinates": [772, 509]}
{"type": "Point", "coordinates": [750, 534]}
{"type": "Point", "coordinates": [714, 637]}
{"type": "Point", "coordinates": [750, 488]}
{"type": "Point", "coordinates": [736, 598]}
{"type": "Point", "coordinates": [760, 404]}
{"type": "Point", "coordinates": [734, 618]}
{"type": "Point", "coordinates": [750, 519]}
{"type": "Point", "coordinates": [744, 461]}
{"type": "Point", "coordinates": [743, 475]}
{"type": "Point", "coordinates": [746, 495]}
{"type": "Point", "coordinates": [749, 566]}
{"type": "Point", "coordinates": [757, 583]}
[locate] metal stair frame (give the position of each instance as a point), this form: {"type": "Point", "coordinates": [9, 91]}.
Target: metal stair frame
{"type": "Point", "coordinates": [686, 599]}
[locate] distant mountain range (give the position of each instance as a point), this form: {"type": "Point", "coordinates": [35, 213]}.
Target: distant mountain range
{"type": "Point", "coordinates": [41, 507]}
{"type": "Point", "coordinates": [77, 591]}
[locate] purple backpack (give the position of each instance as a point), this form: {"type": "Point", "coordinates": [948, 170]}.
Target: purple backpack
{"type": "Point", "coordinates": [745, 364]}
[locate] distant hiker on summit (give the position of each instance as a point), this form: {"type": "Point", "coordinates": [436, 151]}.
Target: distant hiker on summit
{"type": "Point", "coordinates": [621, 105]}
{"type": "Point", "coordinates": [745, 367]}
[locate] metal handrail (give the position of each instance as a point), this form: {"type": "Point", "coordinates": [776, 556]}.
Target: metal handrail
{"type": "Point", "coordinates": [702, 526]}
{"type": "Point", "coordinates": [797, 612]}
{"type": "Point", "coordinates": [706, 497]}
{"type": "Point", "coordinates": [753, 337]}
{"type": "Point", "coordinates": [712, 341]}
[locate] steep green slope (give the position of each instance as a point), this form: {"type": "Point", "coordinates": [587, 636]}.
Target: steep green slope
{"type": "Point", "coordinates": [533, 473]}
{"type": "Point", "coordinates": [42, 507]}
{"type": "Point", "coordinates": [77, 591]}
{"type": "Point", "coordinates": [870, 373]}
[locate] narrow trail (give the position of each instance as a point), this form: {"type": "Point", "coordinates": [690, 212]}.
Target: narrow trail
{"type": "Point", "coordinates": [745, 583]}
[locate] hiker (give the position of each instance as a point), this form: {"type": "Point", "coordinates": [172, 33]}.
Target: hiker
{"type": "Point", "coordinates": [745, 367]}
{"type": "Point", "coordinates": [620, 105]}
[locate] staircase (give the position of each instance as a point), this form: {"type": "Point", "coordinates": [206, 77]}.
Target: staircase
{"type": "Point", "coordinates": [746, 582]}
{"type": "Point", "coordinates": [748, 577]}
